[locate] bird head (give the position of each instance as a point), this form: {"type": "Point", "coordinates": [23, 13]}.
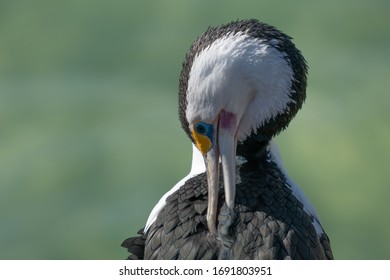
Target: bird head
{"type": "Point", "coordinates": [239, 79]}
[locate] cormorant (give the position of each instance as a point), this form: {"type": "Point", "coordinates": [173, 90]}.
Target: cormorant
{"type": "Point", "coordinates": [240, 85]}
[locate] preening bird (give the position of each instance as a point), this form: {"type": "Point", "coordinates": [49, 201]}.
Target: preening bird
{"type": "Point", "coordinates": [240, 85]}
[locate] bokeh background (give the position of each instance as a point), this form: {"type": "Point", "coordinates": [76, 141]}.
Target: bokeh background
{"type": "Point", "coordinates": [89, 134]}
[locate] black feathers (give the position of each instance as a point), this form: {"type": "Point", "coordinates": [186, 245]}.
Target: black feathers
{"type": "Point", "coordinates": [270, 222]}
{"type": "Point", "coordinates": [136, 246]}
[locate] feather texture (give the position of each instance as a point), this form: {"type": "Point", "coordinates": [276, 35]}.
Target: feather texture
{"type": "Point", "coordinates": [270, 221]}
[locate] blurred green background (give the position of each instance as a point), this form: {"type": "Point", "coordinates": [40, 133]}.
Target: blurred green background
{"type": "Point", "coordinates": [90, 138]}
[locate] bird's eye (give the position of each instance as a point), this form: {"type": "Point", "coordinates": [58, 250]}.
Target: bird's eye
{"type": "Point", "coordinates": [201, 128]}
{"type": "Point", "coordinates": [202, 134]}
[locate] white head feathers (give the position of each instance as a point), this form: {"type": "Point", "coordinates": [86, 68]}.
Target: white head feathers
{"type": "Point", "coordinates": [240, 74]}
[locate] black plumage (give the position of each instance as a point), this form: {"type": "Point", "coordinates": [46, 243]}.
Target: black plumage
{"type": "Point", "coordinates": [270, 221]}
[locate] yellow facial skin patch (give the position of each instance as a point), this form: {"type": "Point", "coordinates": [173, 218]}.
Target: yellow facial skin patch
{"type": "Point", "coordinates": [203, 135]}
{"type": "Point", "coordinates": [202, 142]}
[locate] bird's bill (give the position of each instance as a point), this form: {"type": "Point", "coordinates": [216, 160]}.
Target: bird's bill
{"type": "Point", "coordinates": [212, 171]}
{"type": "Point", "coordinates": [224, 148]}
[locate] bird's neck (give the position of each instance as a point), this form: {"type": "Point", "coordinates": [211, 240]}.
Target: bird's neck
{"type": "Point", "coordinates": [253, 148]}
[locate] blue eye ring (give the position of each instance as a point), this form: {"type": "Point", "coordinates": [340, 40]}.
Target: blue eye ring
{"type": "Point", "coordinates": [204, 129]}
{"type": "Point", "coordinates": [201, 128]}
